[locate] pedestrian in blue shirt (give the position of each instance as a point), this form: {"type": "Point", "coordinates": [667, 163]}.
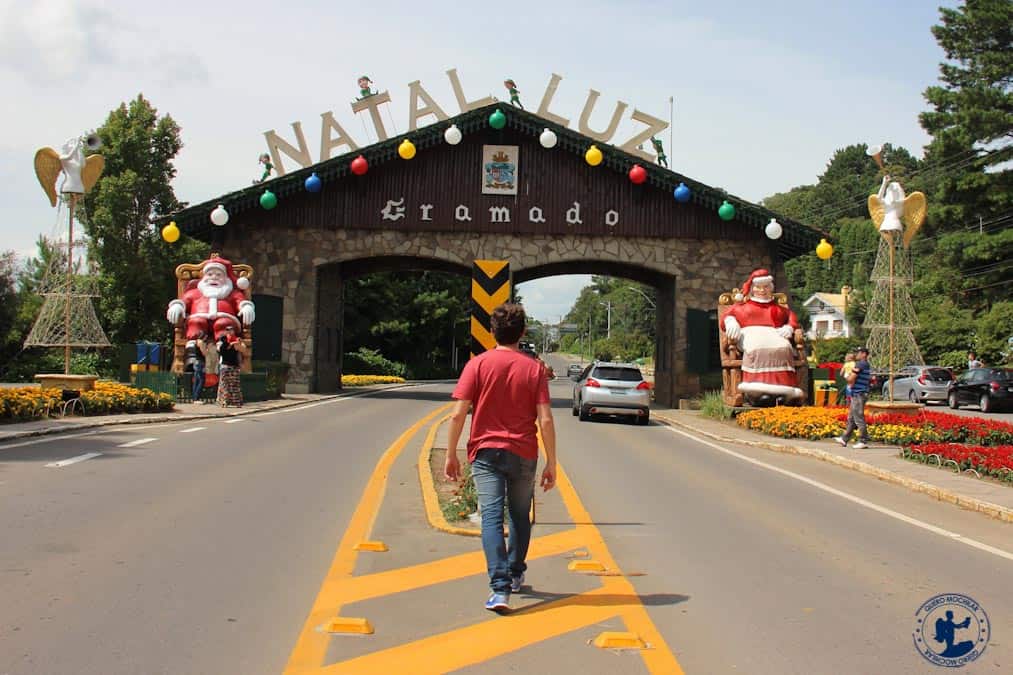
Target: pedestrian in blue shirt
{"type": "Point", "coordinates": [858, 379]}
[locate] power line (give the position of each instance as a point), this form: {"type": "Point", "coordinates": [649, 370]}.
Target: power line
{"type": "Point", "coordinates": [978, 288]}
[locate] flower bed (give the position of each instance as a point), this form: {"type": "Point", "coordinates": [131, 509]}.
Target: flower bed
{"type": "Point", "coordinates": [363, 380]}
{"type": "Point", "coordinates": [28, 403]}
{"type": "Point", "coordinates": [995, 461]}
{"type": "Point", "coordinates": [929, 437]}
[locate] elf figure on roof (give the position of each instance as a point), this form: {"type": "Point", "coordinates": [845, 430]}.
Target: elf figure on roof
{"type": "Point", "coordinates": [764, 329]}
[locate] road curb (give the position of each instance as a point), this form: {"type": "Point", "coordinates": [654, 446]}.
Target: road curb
{"type": "Point", "coordinates": [99, 423]}
{"type": "Point", "coordinates": [429, 497]}
{"type": "Point", "coordinates": [996, 511]}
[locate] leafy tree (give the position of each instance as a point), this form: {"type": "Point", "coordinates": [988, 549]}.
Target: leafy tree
{"type": "Point", "coordinates": [993, 332]}
{"type": "Point", "coordinates": [136, 265]}
{"type": "Point", "coordinates": [971, 123]}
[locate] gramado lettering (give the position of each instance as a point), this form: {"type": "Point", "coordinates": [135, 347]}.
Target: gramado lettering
{"type": "Point", "coordinates": [396, 210]}
{"type": "Point", "coordinates": [333, 135]}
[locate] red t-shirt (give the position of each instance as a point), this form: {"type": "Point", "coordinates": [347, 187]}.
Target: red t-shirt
{"type": "Point", "coordinates": [504, 386]}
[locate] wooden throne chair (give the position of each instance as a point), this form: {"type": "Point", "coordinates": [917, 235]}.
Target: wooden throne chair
{"type": "Point", "coordinates": [187, 276]}
{"type": "Point", "coordinates": [731, 355]}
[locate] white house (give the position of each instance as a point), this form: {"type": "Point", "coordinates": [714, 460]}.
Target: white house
{"type": "Point", "coordinates": [828, 312]}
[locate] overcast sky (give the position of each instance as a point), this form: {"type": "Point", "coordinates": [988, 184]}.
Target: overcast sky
{"type": "Point", "coordinates": [764, 92]}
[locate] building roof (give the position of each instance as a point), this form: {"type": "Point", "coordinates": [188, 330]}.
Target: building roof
{"type": "Point", "coordinates": [835, 300]}
{"type": "Point", "coordinates": [797, 238]}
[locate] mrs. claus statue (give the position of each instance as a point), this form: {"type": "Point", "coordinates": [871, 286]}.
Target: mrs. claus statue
{"type": "Point", "coordinates": [764, 330]}
{"type": "Point", "coordinates": [215, 302]}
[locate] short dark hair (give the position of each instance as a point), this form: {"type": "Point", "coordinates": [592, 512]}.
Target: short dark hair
{"type": "Point", "coordinates": [508, 321]}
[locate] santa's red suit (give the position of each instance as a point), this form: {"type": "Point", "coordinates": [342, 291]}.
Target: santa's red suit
{"type": "Point", "coordinates": [764, 327]}
{"type": "Point", "coordinates": [207, 313]}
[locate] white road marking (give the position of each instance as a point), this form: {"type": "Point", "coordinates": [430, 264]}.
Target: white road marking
{"type": "Point", "coordinates": [134, 444]}
{"type": "Point", "coordinates": [981, 546]}
{"type": "Point", "coordinates": [235, 421]}
{"type": "Point", "coordinates": [192, 429]}
{"type": "Point", "coordinates": [74, 460]}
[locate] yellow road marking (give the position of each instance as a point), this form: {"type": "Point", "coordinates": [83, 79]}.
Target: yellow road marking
{"type": "Point", "coordinates": [480, 642]}
{"type": "Point", "coordinates": [311, 646]}
{"type": "Point", "coordinates": [379, 584]}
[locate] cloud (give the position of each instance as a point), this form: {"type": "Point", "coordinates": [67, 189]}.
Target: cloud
{"type": "Point", "coordinates": [552, 297]}
{"type": "Point", "coordinates": [57, 41]}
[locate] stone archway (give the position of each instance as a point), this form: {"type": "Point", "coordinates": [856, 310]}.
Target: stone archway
{"type": "Point", "coordinates": [304, 267]}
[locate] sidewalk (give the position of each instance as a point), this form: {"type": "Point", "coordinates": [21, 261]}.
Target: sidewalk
{"type": "Point", "coordinates": [882, 461]}
{"type": "Point", "coordinates": [181, 412]}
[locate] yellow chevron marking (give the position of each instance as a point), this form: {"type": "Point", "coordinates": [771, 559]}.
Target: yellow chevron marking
{"type": "Point", "coordinates": [483, 336]}
{"type": "Point", "coordinates": [491, 267]}
{"type": "Point", "coordinates": [485, 300]}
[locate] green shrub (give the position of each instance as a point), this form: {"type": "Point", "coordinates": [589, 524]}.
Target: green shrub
{"type": "Point", "coordinates": [712, 404]}
{"type": "Point", "coordinates": [367, 361]}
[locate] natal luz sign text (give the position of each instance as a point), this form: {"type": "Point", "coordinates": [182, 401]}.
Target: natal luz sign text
{"type": "Point", "coordinates": [421, 104]}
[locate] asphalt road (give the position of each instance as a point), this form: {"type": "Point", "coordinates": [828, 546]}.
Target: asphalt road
{"type": "Point", "coordinates": [202, 549]}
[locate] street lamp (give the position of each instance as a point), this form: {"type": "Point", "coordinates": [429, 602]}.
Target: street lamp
{"type": "Point", "coordinates": [608, 306]}
{"type": "Point", "coordinates": [646, 296]}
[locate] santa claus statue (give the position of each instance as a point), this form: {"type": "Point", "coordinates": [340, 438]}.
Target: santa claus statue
{"type": "Point", "coordinates": [217, 301]}
{"type": "Point", "coordinates": [763, 329]}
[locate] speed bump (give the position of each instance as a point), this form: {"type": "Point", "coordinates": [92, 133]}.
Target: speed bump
{"type": "Point", "coordinates": [348, 624]}
{"type": "Point", "coordinates": [585, 566]}
{"type": "Point", "coordinates": [619, 640]}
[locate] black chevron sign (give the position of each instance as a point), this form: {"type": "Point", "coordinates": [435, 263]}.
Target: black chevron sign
{"type": "Point", "coordinates": [490, 287]}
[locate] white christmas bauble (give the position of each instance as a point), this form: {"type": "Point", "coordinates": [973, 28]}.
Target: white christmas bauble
{"type": "Point", "coordinates": [452, 135]}
{"type": "Point", "coordinates": [548, 139]}
{"type": "Point", "coordinates": [219, 216]}
{"type": "Point", "coordinates": [773, 229]}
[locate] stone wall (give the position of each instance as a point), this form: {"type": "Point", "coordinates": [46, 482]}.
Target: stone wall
{"type": "Point", "coordinates": [287, 262]}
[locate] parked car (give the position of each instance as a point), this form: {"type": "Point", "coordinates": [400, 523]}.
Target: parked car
{"type": "Point", "coordinates": [574, 370]}
{"type": "Point", "coordinates": [920, 384]}
{"type": "Point", "coordinates": [988, 388]}
{"type": "Point", "coordinates": [612, 389]}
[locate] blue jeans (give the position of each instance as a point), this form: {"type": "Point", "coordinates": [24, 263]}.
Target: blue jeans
{"type": "Point", "coordinates": [500, 476]}
{"type": "Point", "coordinates": [198, 380]}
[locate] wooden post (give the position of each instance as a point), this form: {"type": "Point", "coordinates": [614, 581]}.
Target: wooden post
{"type": "Point", "coordinates": [889, 239]}
{"type": "Point", "coordinates": [69, 287]}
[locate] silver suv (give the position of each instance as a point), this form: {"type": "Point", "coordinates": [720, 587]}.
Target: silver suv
{"type": "Point", "coordinates": [612, 389]}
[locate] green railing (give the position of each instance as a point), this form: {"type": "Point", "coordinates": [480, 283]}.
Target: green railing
{"type": "Point", "coordinates": [255, 386]}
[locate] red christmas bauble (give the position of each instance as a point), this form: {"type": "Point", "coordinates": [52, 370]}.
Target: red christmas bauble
{"type": "Point", "coordinates": [359, 165]}
{"type": "Point", "coordinates": [638, 174]}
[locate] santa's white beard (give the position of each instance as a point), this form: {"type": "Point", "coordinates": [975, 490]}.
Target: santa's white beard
{"type": "Point", "coordinates": [216, 292]}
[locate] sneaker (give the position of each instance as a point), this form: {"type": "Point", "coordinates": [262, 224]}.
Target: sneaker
{"type": "Point", "coordinates": [840, 441]}
{"type": "Point", "coordinates": [516, 583]}
{"type": "Point", "coordinates": [860, 445]}
{"type": "Point", "coordinates": [498, 602]}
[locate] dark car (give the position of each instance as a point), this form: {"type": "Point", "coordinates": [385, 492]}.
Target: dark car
{"type": "Point", "coordinates": [574, 369]}
{"type": "Point", "coordinates": [988, 388]}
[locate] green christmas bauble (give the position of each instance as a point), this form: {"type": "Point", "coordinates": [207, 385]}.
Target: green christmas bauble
{"type": "Point", "coordinates": [726, 211]}
{"type": "Point", "coordinates": [268, 201]}
{"type": "Point", "coordinates": [497, 120]}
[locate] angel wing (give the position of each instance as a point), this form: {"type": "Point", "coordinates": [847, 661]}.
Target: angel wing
{"type": "Point", "coordinates": [877, 210]}
{"type": "Point", "coordinates": [915, 208]}
{"type": "Point", "coordinates": [93, 167]}
{"type": "Point", "coordinates": [48, 168]}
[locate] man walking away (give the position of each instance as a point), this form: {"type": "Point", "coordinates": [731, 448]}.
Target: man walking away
{"type": "Point", "coordinates": [509, 392]}
{"type": "Point", "coordinates": [859, 379]}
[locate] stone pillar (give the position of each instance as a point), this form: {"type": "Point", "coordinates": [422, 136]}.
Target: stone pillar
{"type": "Point", "coordinates": [330, 318]}
{"type": "Point", "coordinates": [666, 356]}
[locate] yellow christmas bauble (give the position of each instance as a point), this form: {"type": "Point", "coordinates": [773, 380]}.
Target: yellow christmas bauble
{"type": "Point", "coordinates": [406, 149]}
{"type": "Point", "coordinates": [824, 250]}
{"type": "Point", "coordinates": [593, 156]}
{"type": "Point", "coordinates": [170, 232]}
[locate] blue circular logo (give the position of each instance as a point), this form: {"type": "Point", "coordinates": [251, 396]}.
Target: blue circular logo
{"type": "Point", "coordinates": [951, 630]}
